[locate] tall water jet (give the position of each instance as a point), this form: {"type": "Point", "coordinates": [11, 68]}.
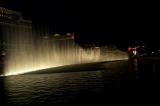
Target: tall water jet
{"type": "Point", "coordinates": [27, 49]}
{"type": "Point", "coordinates": [25, 52]}
{"type": "Point", "coordinates": [16, 39]}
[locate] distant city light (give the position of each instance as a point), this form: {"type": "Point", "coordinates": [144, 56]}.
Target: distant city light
{"type": "Point", "coordinates": [135, 52]}
{"type": "Point", "coordinates": [56, 34]}
{"type": "Point", "coordinates": [68, 34]}
{"type": "Point", "coordinates": [97, 47]}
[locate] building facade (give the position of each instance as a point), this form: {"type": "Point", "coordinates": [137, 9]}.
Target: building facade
{"type": "Point", "coordinates": [11, 24]}
{"type": "Point", "coordinates": [12, 28]}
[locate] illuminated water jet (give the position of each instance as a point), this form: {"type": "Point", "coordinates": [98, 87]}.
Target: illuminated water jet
{"type": "Point", "coordinates": [27, 49]}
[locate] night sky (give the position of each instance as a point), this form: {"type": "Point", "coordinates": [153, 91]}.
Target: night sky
{"type": "Point", "coordinates": [99, 22]}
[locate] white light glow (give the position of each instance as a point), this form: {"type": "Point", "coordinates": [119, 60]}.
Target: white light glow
{"type": "Point", "coordinates": [135, 52]}
{"type": "Point", "coordinates": [26, 53]}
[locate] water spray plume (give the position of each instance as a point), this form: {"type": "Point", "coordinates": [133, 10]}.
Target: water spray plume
{"type": "Point", "coordinates": [28, 49]}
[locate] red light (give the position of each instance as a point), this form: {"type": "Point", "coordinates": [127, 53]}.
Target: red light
{"type": "Point", "coordinates": [130, 49]}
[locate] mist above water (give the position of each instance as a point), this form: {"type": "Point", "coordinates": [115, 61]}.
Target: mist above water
{"type": "Point", "coordinates": [30, 49]}
{"type": "Point", "coordinates": [27, 52]}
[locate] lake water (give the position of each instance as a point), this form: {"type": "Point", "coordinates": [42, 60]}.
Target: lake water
{"type": "Point", "coordinates": [71, 88]}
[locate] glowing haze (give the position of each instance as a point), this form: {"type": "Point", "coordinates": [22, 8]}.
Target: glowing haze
{"type": "Point", "coordinates": [31, 50]}
{"type": "Point", "coordinates": [26, 53]}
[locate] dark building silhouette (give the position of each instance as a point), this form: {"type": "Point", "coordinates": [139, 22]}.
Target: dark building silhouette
{"type": "Point", "coordinates": [12, 26]}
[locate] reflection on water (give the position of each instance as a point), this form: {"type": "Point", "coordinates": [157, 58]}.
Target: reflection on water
{"type": "Point", "coordinates": [87, 87]}
{"type": "Point", "coordinates": [133, 69]}
{"type": "Point", "coordinates": [50, 88]}
{"type": "Point", "coordinates": [142, 70]}
{"type": "Point", "coordinates": [59, 88]}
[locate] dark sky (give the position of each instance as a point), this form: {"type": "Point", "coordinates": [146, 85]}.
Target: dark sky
{"type": "Point", "coordinates": [97, 21]}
